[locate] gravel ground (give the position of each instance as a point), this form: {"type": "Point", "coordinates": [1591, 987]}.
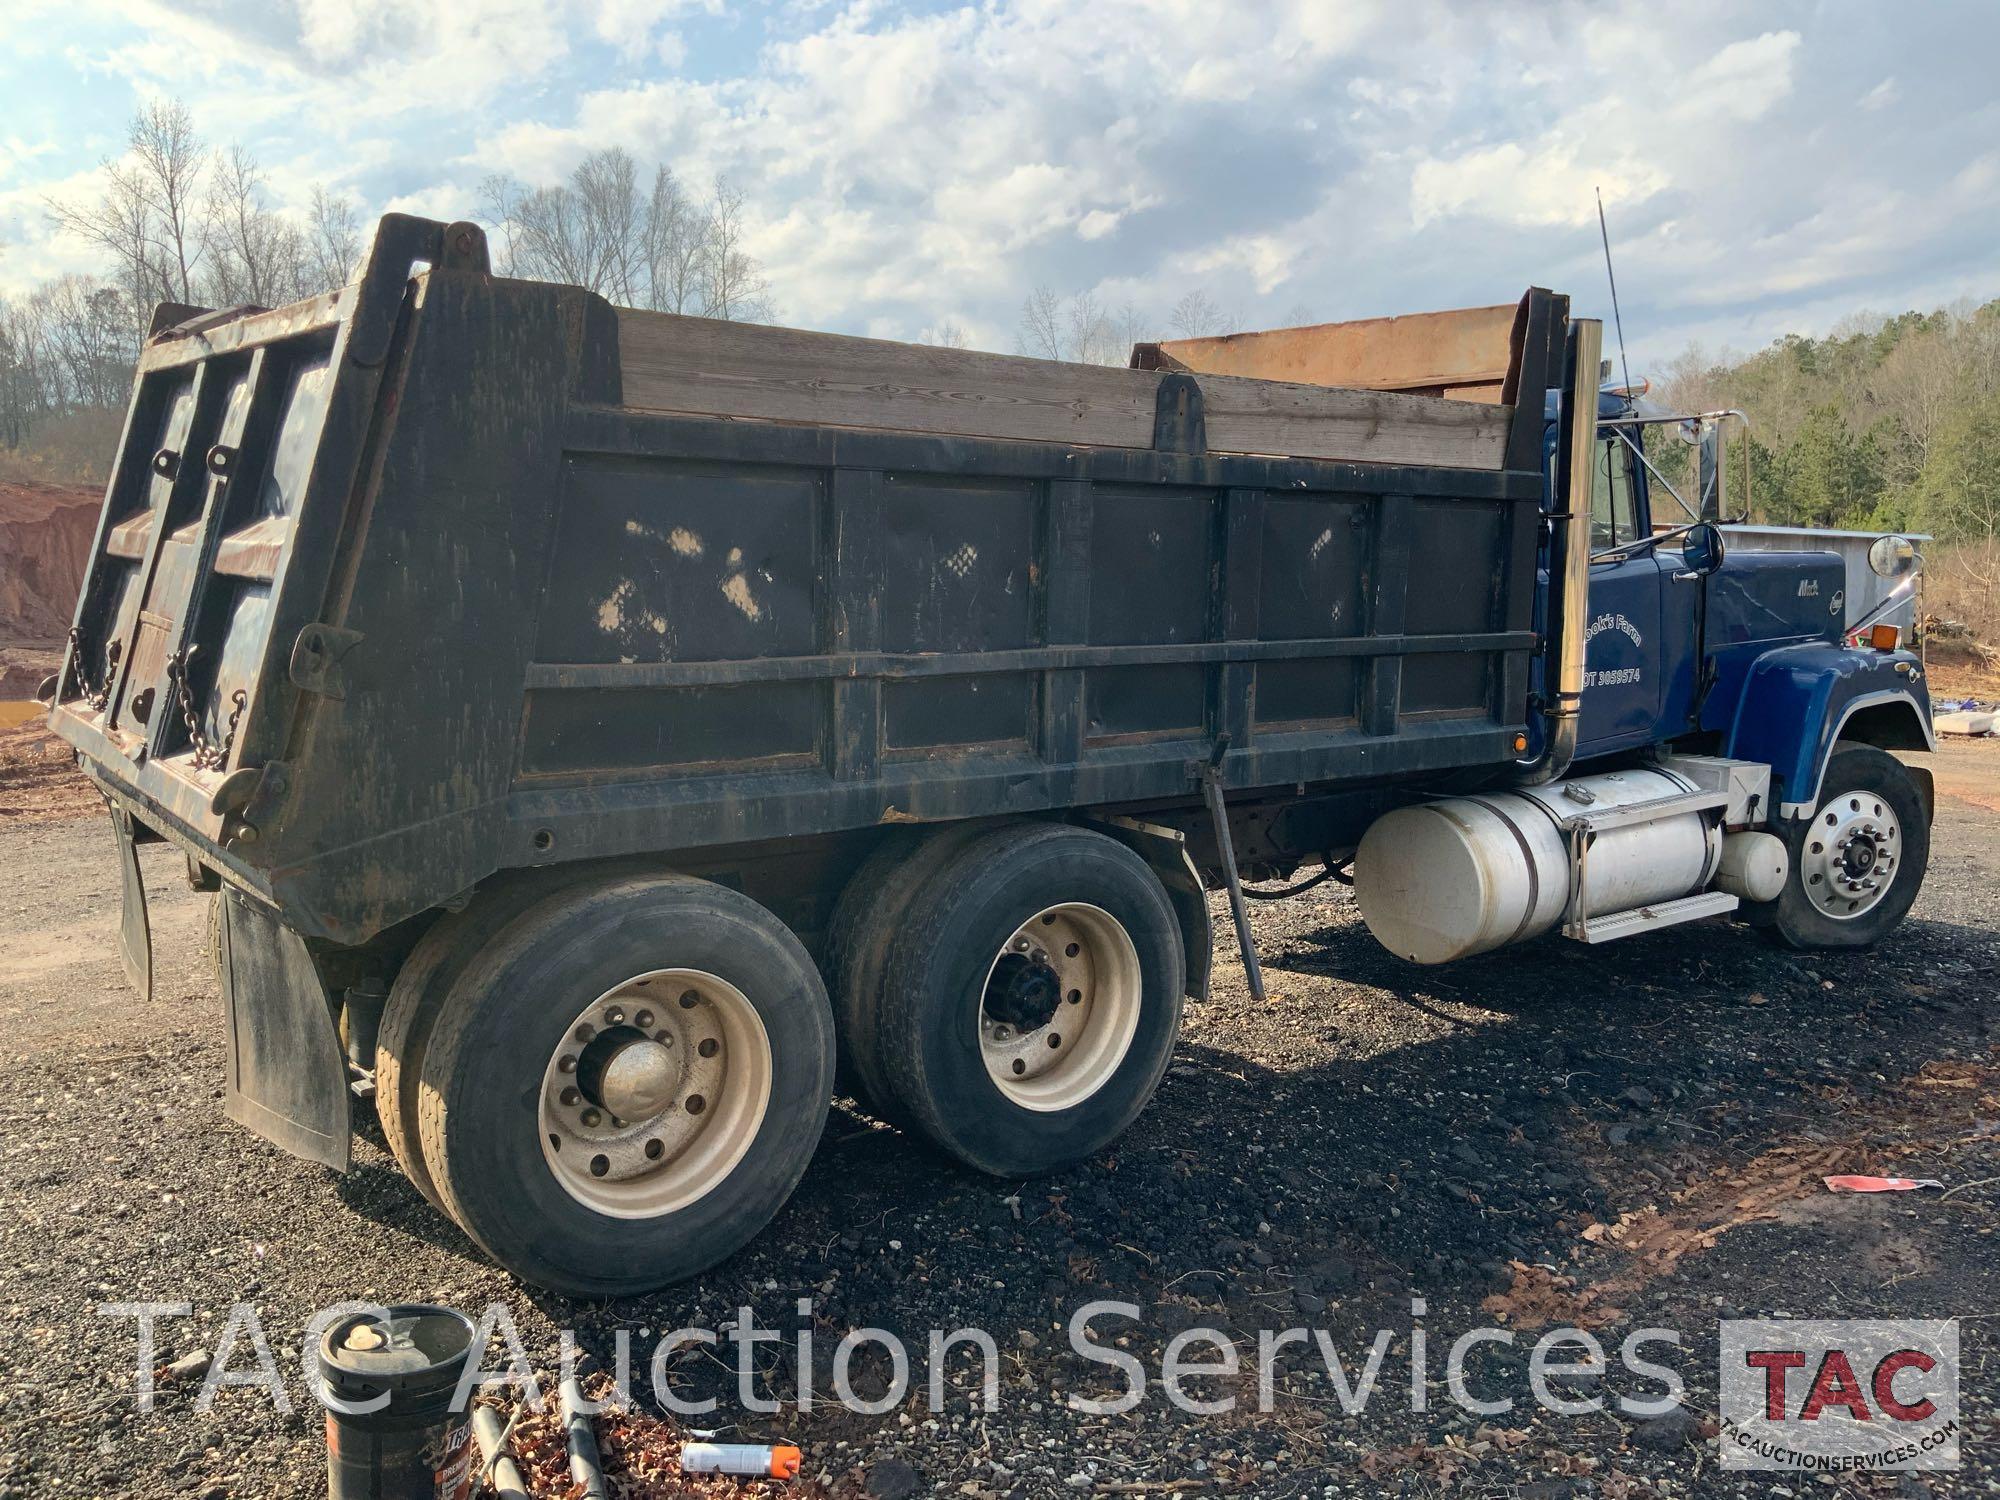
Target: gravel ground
{"type": "Point", "coordinates": [1619, 1138]}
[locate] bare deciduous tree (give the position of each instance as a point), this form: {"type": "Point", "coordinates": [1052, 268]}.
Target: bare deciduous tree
{"type": "Point", "coordinates": [1196, 316]}
{"type": "Point", "coordinates": [255, 256]}
{"type": "Point", "coordinates": [86, 339]}
{"type": "Point", "coordinates": [333, 240]}
{"type": "Point", "coordinates": [153, 217]}
{"type": "Point", "coordinates": [1081, 330]}
{"type": "Point", "coordinates": [948, 334]}
{"type": "Point", "coordinates": [660, 249]}
{"type": "Point", "coordinates": [1042, 324]}
{"type": "Point", "coordinates": [672, 246]}
{"type": "Point", "coordinates": [733, 283]}
{"type": "Point", "coordinates": [184, 225]}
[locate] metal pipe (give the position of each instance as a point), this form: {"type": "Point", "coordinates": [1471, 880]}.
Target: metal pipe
{"type": "Point", "coordinates": [1569, 558]}
{"type": "Point", "coordinates": [585, 1467]}
{"type": "Point", "coordinates": [1211, 790]}
{"type": "Point", "coordinates": [503, 1476]}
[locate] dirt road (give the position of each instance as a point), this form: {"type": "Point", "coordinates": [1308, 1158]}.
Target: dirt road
{"type": "Point", "coordinates": [1622, 1138]}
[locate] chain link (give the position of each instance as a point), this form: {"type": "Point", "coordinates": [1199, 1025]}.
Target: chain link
{"type": "Point", "coordinates": [100, 695]}
{"type": "Point", "coordinates": [207, 755]}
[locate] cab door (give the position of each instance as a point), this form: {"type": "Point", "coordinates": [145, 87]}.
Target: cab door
{"type": "Point", "coordinates": [1622, 688]}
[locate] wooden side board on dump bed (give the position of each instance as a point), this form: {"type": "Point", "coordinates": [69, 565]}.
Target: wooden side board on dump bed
{"type": "Point", "coordinates": [703, 367]}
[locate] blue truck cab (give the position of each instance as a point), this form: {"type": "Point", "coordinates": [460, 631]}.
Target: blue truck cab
{"type": "Point", "coordinates": [1751, 660]}
{"type": "Point", "coordinates": [1693, 649]}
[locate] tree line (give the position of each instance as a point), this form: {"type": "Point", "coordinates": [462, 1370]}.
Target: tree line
{"type": "Point", "coordinates": [1886, 424]}
{"type": "Point", "coordinates": [177, 220]}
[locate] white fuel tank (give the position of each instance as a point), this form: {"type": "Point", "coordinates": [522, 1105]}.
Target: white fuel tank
{"type": "Point", "coordinates": [1444, 880]}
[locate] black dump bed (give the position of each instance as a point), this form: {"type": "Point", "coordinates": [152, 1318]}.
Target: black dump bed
{"type": "Point", "coordinates": [445, 574]}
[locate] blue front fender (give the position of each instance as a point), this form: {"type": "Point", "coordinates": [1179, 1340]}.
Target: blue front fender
{"type": "Point", "coordinates": [1798, 700]}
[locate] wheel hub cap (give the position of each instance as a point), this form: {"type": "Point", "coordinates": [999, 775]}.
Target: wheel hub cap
{"type": "Point", "coordinates": [1024, 991]}
{"type": "Point", "coordinates": [639, 1081]}
{"type": "Point", "coordinates": [1851, 854]}
{"type": "Point", "coordinates": [655, 1092]}
{"type": "Point", "coordinates": [1060, 1007]}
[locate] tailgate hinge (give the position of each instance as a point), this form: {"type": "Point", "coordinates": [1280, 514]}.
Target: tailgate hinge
{"type": "Point", "coordinates": [248, 800]}
{"type": "Point", "coordinates": [316, 658]}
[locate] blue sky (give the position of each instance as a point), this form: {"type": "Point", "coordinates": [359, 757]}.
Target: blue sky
{"type": "Point", "coordinates": [1767, 168]}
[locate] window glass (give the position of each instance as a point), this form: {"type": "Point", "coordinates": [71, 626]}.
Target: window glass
{"type": "Point", "coordinates": [1612, 518]}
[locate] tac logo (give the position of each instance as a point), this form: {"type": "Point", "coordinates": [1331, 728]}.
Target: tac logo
{"type": "Point", "coordinates": [1853, 1396]}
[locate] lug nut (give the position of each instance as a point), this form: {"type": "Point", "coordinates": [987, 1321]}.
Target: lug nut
{"type": "Point", "coordinates": [615, 1015]}
{"type": "Point", "coordinates": [571, 1097]}
{"type": "Point", "coordinates": [1038, 956]}
{"type": "Point", "coordinates": [1020, 945]}
{"type": "Point", "coordinates": [644, 1020]}
{"type": "Point", "coordinates": [592, 1118]}
{"type": "Point", "coordinates": [585, 1032]}
{"type": "Point", "coordinates": [566, 1065]}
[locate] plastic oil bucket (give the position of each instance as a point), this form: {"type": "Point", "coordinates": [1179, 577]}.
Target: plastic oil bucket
{"type": "Point", "coordinates": [390, 1431]}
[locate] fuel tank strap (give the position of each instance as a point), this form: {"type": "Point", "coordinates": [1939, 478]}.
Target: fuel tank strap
{"type": "Point", "coordinates": [1527, 862]}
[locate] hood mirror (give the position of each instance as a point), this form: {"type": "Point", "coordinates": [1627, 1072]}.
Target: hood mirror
{"type": "Point", "coordinates": [1894, 557]}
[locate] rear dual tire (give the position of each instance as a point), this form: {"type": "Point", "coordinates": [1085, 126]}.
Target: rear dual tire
{"type": "Point", "coordinates": [1025, 1004]}
{"type": "Point", "coordinates": [614, 1083]}
{"type": "Point", "coordinates": [730, 1080]}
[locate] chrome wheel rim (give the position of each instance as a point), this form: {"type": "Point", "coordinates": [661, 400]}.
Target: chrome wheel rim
{"type": "Point", "coordinates": [1851, 855]}
{"type": "Point", "coordinates": [1059, 1007]}
{"type": "Point", "coordinates": [655, 1093]}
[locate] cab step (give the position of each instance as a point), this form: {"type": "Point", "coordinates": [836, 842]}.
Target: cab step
{"type": "Point", "coordinates": [1621, 924]}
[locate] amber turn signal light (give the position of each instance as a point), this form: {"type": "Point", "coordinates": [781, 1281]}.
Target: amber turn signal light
{"type": "Point", "coordinates": [1884, 637]}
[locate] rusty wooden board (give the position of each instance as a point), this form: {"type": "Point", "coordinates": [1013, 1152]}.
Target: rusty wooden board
{"type": "Point", "coordinates": [704, 367]}
{"type": "Point", "coordinates": [1462, 354]}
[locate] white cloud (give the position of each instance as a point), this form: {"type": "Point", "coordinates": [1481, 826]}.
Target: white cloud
{"type": "Point", "coordinates": [1743, 80]}
{"type": "Point", "coordinates": [1882, 95]}
{"type": "Point", "coordinates": [1539, 185]}
{"type": "Point", "coordinates": [1357, 158]}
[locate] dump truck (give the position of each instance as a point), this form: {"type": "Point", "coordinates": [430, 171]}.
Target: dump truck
{"type": "Point", "coordinates": [610, 733]}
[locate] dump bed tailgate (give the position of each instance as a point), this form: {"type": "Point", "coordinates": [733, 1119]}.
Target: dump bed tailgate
{"type": "Point", "coordinates": [212, 558]}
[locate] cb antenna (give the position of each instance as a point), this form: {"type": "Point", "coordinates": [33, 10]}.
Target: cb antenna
{"type": "Point", "coordinates": [1617, 322]}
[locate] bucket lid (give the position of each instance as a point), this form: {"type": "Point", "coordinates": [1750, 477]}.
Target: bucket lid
{"type": "Point", "coordinates": [418, 1339]}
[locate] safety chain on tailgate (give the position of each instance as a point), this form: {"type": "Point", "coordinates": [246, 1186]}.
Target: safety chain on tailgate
{"type": "Point", "coordinates": [100, 695]}
{"type": "Point", "coordinates": [207, 756]}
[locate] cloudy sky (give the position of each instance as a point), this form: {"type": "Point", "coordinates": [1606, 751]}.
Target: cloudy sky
{"type": "Point", "coordinates": [1766, 167]}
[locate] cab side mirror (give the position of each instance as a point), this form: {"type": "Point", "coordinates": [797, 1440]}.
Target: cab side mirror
{"type": "Point", "coordinates": [1702, 550]}
{"type": "Point", "coordinates": [1893, 557]}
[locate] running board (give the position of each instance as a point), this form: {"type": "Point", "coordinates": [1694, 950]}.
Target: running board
{"type": "Point", "coordinates": [1621, 924]}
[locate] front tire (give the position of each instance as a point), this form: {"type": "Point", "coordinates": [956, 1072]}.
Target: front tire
{"type": "Point", "coordinates": [627, 1086]}
{"type": "Point", "coordinates": [1031, 999]}
{"type": "Point", "coordinates": [1858, 861]}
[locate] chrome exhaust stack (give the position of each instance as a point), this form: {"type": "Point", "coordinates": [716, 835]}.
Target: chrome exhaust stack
{"type": "Point", "coordinates": [1569, 557]}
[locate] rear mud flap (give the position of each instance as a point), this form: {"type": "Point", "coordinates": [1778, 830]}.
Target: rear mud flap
{"type": "Point", "coordinates": [287, 1073]}
{"type": "Point", "coordinates": [135, 933]}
